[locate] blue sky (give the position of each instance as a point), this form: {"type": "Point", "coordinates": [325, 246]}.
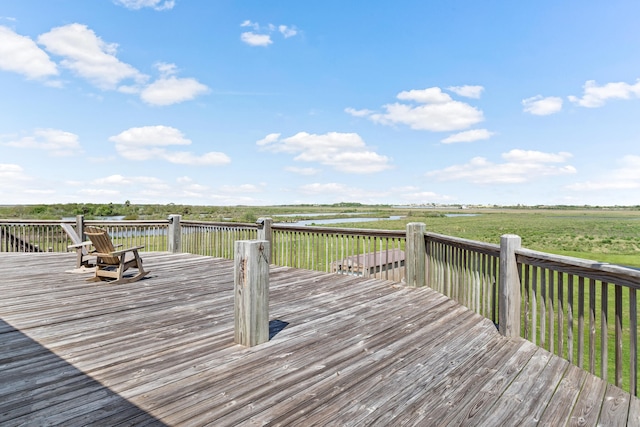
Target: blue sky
{"type": "Point", "coordinates": [274, 102]}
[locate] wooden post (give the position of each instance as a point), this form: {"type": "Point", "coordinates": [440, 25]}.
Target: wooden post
{"type": "Point", "coordinates": [509, 297]}
{"type": "Point", "coordinates": [266, 233]}
{"type": "Point", "coordinates": [415, 254]}
{"type": "Point", "coordinates": [251, 292]}
{"type": "Point", "coordinates": [174, 234]}
{"type": "Point", "coordinates": [80, 227]}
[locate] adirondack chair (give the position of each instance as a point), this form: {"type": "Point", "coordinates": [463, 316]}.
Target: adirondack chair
{"type": "Point", "coordinates": [84, 257]}
{"type": "Point", "coordinates": [112, 263]}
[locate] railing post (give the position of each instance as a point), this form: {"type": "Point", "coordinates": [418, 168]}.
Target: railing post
{"type": "Point", "coordinates": [80, 227]}
{"type": "Point", "coordinates": [174, 234]}
{"type": "Point", "coordinates": [509, 289]}
{"type": "Point", "coordinates": [265, 232]}
{"type": "Point", "coordinates": [415, 255]}
{"type": "Point", "coordinates": [251, 292]}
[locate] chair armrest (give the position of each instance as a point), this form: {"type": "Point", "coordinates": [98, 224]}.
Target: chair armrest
{"type": "Point", "coordinates": [79, 245]}
{"type": "Point", "coordinates": [124, 251]}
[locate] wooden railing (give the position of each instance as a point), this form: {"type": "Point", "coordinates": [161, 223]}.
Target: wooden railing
{"type": "Point", "coordinates": [367, 253]}
{"type": "Point", "coordinates": [464, 270]}
{"type": "Point", "coordinates": [581, 310]}
{"type": "Point", "coordinates": [48, 236]}
{"type": "Point", "coordinates": [584, 311]}
{"type": "Point", "coordinates": [214, 238]}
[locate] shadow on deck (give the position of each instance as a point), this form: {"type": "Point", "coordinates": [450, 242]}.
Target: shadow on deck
{"type": "Point", "coordinates": [343, 351]}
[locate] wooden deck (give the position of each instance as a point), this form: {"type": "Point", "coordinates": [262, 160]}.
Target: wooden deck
{"type": "Point", "coordinates": [344, 351]}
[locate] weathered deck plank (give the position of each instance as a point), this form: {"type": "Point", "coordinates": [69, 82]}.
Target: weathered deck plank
{"type": "Point", "coordinates": [354, 352]}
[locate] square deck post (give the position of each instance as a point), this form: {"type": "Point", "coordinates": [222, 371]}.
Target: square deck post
{"type": "Point", "coordinates": [509, 290]}
{"type": "Point", "coordinates": [265, 232]}
{"type": "Point", "coordinates": [251, 292]}
{"type": "Point", "coordinates": [80, 227]}
{"type": "Point", "coordinates": [174, 234]}
{"type": "Point", "coordinates": [415, 255]}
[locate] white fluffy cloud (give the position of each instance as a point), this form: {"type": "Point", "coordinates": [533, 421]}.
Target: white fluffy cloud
{"type": "Point", "coordinates": [302, 171]}
{"type": "Point", "coordinates": [625, 177]}
{"type": "Point", "coordinates": [541, 106]}
{"type": "Point", "coordinates": [261, 34]}
{"type": "Point", "coordinates": [519, 166]}
{"type": "Point", "coordinates": [169, 89]}
{"type": "Point", "coordinates": [468, 136]}
{"type": "Point", "coordinates": [253, 39]}
{"type": "Point", "coordinates": [467, 91]}
{"type": "Point", "coordinates": [149, 142]}
{"type": "Point", "coordinates": [22, 55]}
{"type": "Point", "coordinates": [436, 112]}
{"type": "Point", "coordinates": [287, 31]}
{"type": "Point", "coordinates": [345, 152]}
{"type": "Point", "coordinates": [596, 96]}
{"type": "Point", "coordinates": [54, 141]}
{"type": "Point", "coordinates": [89, 56]}
{"type": "Point", "coordinates": [139, 4]}
{"type": "Point", "coordinates": [10, 173]}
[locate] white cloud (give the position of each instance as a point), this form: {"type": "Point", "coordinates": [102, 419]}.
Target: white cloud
{"type": "Point", "coordinates": [358, 113]}
{"type": "Point", "coordinates": [432, 95]}
{"type": "Point", "coordinates": [439, 112]}
{"type": "Point", "coordinates": [172, 90]}
{"type": "Point", "coordinates": [520, 166]}
{"type": "Point", "coordinates": [624, 177]}
{"type": "Point", "coordinates": [468, 136]}
{"type": "Point", "coordinates": [345, 152]}
{"type": "Point", "coordinates": [541, 106]}
{"type": "Point", "coordinates": [148, 142]}
{"type": "Point", "coordinates": [272, 137]}
{"type": "Point", "coordinates": [261, 34]}
{"type": "Point", "coordinates": [253, 39]}
{"type": "Point", "coordinates": [287, 31]}
{"type": "Point", "coordinates": [10, 173]}
{"type": "Point", "coordinates": [248, 23]}
{"type": "Point", "coordinates": [467, 91]}
{"type": "Point", "coordinates": [89, 56]}
{"type": "Point", "coordinates": [22, 55]}
{"type": "Point", "coordinates": [596, 96]}
{"type": "Point", "coordinates": [54, 141]}
{"type": "Point", "coordinates": [302, 171]}
{"type": "Point", "coordinates": [139, 4]}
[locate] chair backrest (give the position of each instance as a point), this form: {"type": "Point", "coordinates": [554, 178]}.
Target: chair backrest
{"type": "Point", "coordinates": [102, 242]}
{"type": "Point", "coordinates": [75, 239]}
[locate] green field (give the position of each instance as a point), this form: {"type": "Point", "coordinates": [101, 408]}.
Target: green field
{"type": "Point", "coordinates": [604, 235]}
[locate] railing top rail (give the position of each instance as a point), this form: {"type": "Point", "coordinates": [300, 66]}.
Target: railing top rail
{"type": "Point", "coordinates": [73, 221]}
{"type": "Point", "coordinates": [121, 222]}
{"type": "Point", "coordinates": [610, 273]}
{"type": "Point", "coordinates": [220, 224]}
{"type": "Point", "coordinates": [398, 234]}
{"type": "Point", "coordinates": [482, 247]}
{"type": "Point", "coordinates": [31, 221]}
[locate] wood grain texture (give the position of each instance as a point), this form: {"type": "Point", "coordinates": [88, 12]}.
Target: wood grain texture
{"type": "Point", "coordinates": [356, 351]}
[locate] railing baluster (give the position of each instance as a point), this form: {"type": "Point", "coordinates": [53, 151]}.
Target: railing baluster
{"type": "Point", "coordinates": [633, 342]}
{"type": "Point", "coordinates": [604, 330]}
{"type": "Point", "coordinates": [580, 322]}
{"type": "Point", "coordinates": [618, 335]}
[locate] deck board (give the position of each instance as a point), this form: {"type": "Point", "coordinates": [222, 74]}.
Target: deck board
{"type": "Point", "coordinates": [354, 352]}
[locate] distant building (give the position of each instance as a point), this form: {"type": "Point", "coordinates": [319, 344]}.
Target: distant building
{"type": "Point", "coordinates": [372, 264]}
